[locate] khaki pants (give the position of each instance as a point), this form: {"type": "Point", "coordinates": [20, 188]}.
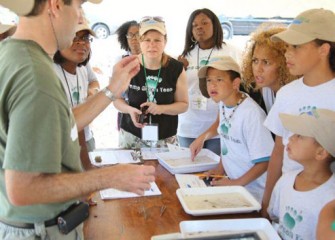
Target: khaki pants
{"type": "Point", "coordinates": [39, 233]}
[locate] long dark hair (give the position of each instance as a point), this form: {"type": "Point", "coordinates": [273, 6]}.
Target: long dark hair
{"type": "Point", "coordinates": [217, 30]}
{"type": "Point", "coordinates": [122, 32]}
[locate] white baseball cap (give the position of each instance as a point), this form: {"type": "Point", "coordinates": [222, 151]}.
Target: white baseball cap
{"type": "Point", "coordinates": [308, 26]}
{"type": "Point", "coordinates": [224, 63]}
{"type": "Point", "coordinates": [318, 124]}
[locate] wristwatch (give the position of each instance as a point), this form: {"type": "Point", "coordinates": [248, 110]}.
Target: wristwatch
{"type": "Point", "coordinates": [108, 94]}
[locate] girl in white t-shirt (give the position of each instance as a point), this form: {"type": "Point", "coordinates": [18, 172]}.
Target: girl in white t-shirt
{"type": "Point", "coordinates": [246, 144]}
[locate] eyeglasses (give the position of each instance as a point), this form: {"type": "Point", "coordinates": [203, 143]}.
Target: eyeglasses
{"type": "Point", "coordinates": [152, 18]}
{"type": "Point", "coordinates": [86, 39]}
{"type": "Point", "coordinates": [132, 36]}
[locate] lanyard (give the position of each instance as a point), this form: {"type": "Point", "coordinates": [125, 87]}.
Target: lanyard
{"type": "Point", "coordinates": [146, 82]}
{"type": "Point", "coordinates": [68, 88]}
{"type": "Point", "coordinates": [209, 56]}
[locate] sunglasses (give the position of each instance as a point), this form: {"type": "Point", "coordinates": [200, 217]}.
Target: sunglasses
{"type": "Point", "coordinates": [86, 39]}
{"type": "Point", "coordinates": [152, 18]}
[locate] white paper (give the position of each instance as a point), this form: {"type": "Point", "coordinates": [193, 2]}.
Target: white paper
{"type": "Point", "coordinates": [150, 153]}
{"type": "Point", "coordinates": [112, 193]}
{"type": "Point", "coordinates": [111, 157]}
{"type": "Point", "coordinates": [189, 181]}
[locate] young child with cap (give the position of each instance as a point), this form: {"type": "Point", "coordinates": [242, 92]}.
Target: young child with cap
{"type": "Point", "coordinates": [245, 143]}
{"type": "Point", "coordinates": [299, 195]}
{"type": "Point", "coordinates": [310, 54]}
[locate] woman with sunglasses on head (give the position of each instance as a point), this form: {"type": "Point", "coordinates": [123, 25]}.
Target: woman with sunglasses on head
{"type": "Point", "coordinates": [156, 95]}
{"type": "Point", "coordinates": [128, 37]}
{"type": "Point", "coordinates": [203, 42]}
{"type": "Point", "coordinates": [76, 74]}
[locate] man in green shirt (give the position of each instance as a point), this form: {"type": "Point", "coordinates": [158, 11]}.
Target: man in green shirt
{"type": "Point", "coordinates": [41, 174]}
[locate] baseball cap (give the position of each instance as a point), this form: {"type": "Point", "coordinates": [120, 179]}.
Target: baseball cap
{"type": "Point", "coordinates": [7, 28]}
{"type": "Point", "coordinates": [152, 23]}
{"type": "Point", "coordinates": [318, 123]}
{"type": "Point", "coordinates": [308, 26]}
{"type": "Point", "coordinates": [84, 26]}
{"type": "Point", "coordinates": [224, 63]}
{"type": "Point", "coordinates": [23, 7]}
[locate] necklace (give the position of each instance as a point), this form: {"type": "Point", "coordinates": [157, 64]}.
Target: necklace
{"type": "Point", "coordinates": [209, 56]}
{"type": "Point", "coordinates": [68, 87]}
{"type": "Point", "coordinates": [227, 119]}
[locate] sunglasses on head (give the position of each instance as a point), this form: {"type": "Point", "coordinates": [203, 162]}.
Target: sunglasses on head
{"type": "Point", "coordinates": [152, 18]}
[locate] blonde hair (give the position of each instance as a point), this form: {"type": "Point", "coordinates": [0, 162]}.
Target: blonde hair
{"type": "Point", "coordinates": [261, 37]}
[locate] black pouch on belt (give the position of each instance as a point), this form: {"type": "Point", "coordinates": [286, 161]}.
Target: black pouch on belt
{"type": "Point", "coordinates": [72, 217]}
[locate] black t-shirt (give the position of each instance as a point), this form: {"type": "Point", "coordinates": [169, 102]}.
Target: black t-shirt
{"type": "Point", "coordinates": [165, 92]}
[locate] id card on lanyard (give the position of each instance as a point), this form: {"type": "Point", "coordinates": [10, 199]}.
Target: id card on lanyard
{"type": "Point", "coordinates": [150, 131]}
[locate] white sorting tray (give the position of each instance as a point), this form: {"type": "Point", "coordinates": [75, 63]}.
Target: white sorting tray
{"type": "Point", "coordinates": [260, 225]}
{"type": "Point", "coordinates": [223, 198]}
{"type": "Point", "coordinates": [180, 161]}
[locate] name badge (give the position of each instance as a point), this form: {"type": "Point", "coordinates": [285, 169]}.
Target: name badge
{"type": "Point", "coordinates": [150, 132]}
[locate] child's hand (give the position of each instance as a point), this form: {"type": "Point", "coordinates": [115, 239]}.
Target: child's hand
{"type": "Point", "coordinates": [225, 181]}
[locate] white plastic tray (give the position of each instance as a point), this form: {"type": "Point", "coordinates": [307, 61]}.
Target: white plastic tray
{"type": "Point", "coordinates": [248, 224]}
{"type": "Point", "coordinates": [221, 194]}
{"type": "Point", "coordinates": [187, 166]}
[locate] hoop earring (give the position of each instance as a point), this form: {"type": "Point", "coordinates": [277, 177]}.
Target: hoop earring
{"type": "Point", "coordinates": [193, 39]}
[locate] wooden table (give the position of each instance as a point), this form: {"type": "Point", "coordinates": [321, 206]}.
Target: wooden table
{"type": "Point", "coordinates": [141, 218]}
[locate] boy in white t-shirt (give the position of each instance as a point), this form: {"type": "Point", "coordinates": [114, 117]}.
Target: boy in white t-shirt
{"type": "Point", "coordinates": [310, 53]}
{"type": "Point", "coordinates": [299, 196]}
{"type": "Point", "coordinates": [246, 144]}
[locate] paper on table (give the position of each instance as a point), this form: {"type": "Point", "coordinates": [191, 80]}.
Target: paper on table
{"type": "Point", "coordinates": [150, 153]}
{"type": "Point", "coordinates": [189, 181]}
{"type": "Point", "coordinates": [112, 193]}
{"type": "Point", "coordinates": [110, 157]}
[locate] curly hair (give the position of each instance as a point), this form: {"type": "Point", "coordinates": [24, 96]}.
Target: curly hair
{"type": "Point", "coordinates": [122, 32]}
{"type": "Point", "coordinates": [261, 37]}
{"type": "Point", "coordinates": [217, 30]}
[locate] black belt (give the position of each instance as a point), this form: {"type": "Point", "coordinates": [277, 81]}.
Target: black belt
{"type": "Point", "coordinates": [48, 223]}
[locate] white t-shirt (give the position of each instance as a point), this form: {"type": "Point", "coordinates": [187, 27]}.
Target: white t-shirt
{"type": "Point", "coordinates": [268, 97]}
{"type": "Point", "coordinates": [202, 112]}
{"type": "Point", "coordinates": [298, 211]}
{"type": "Point", "coordinates": [296, 98]}
{"type": "Point", "coordinates": [244, 142]}
{"type": "Point", "coordinates": [76, 87]}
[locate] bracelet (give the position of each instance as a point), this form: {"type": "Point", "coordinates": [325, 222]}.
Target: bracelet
{"type": "Point", "coordinates": [108, 93]}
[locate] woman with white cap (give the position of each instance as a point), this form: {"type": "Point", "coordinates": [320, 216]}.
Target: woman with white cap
{"type": "Point", "coordinates": [73, 68]}
{"type": "Point", "coordinates": [159, 89]}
